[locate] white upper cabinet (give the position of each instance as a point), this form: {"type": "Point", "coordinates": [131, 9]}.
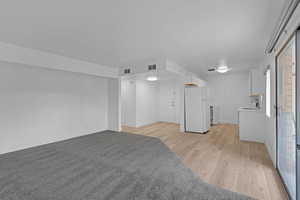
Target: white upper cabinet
{"type": "Point", "coordinates": [256, 82]}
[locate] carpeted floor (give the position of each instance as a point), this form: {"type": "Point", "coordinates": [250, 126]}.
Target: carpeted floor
{"type": "Point", "coordinates": [105, 165]}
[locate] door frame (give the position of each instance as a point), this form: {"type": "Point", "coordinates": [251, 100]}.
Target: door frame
{"type": "Point", "coordinates": [297, 72]}
{"type": "Point", "coordinates": [294, 35]}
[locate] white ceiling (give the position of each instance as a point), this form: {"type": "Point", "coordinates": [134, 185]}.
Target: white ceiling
{"type": "Point", "coordinates": [163, 75]}
{"type": "Point", "coordinates": [196, 33]}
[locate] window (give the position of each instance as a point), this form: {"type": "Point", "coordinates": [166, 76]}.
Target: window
{"type": "Point", "coordinates": [268, 92]}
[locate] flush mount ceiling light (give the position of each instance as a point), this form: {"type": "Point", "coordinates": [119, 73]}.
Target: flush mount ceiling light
{"type": "Point", "coordinates": [152, 78]}
{"type": "Point", "coordinates": [223, 69]}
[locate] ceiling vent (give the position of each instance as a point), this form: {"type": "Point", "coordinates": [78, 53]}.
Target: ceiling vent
{"type": "Point", "coordinates": [126, 71]}
{"type": "Point", "coordinates": [152, 67]}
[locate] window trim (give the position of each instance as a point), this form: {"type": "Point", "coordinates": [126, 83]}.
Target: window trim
{"type": "Point", "coordinates": [268, 92]}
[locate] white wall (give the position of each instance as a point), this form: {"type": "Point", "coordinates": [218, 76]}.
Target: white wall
{"type": "Point", "coordinates": [229, 92]}
{"type": "Point", "coordinates": [270, 123]}
{"type": "Point", "coordinates": [114, 104]}
{"type": "Point", "coordinates": [33, 57]}
{"type": "Point", "coordinates": [270, 60]}
{"type": "Point", "coordinates": [39, 106]}
{"type": "Point", "coordinates": [128, 99]}
{"type": "Point", "coordinates": [146, 102]}
{"type": "Point", "coordinates": [169, 101]}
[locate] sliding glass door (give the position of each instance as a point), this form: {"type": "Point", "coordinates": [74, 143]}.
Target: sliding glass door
{"type": "Point", "coordinates": [286, 116]}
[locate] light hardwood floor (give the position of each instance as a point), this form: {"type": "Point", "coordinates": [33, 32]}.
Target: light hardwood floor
{"type": "Point", "coordinates": [220, 158]}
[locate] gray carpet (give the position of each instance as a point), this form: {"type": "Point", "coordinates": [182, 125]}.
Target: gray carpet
{"type": "Point", "coordinates": [105, 165]}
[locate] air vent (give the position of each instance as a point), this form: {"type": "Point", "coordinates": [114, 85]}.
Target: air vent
{"type": "Point", "coordinates": [152, 67]}
{"type": "Point", "coordinates": [126, 71]}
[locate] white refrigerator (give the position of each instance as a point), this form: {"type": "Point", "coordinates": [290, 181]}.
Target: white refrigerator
{"type": "Point", "coordinates": [197, 115]}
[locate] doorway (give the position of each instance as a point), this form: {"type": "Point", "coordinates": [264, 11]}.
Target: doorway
{"type": "Point", "coordinates": [145, 102]}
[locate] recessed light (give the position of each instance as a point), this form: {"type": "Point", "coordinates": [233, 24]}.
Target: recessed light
{"type": "Point", "coordinates": [152, 78]}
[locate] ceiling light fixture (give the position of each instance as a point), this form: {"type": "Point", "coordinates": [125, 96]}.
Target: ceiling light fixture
{"type": "Point", "coordinates": [223, 69]}
{"type": "Point", "coordinates": [152, 78]}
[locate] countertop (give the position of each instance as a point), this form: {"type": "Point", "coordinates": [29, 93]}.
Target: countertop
{"type": "Point", "coordinates": [249, 110]}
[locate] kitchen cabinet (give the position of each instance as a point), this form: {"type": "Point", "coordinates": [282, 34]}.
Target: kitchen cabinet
{"type": "Point", "coordinates": [191, 79]}
{"type": "Point", "coordinates": [256, 82]}
{"type": "Point", "coordinates": [251, 125]}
